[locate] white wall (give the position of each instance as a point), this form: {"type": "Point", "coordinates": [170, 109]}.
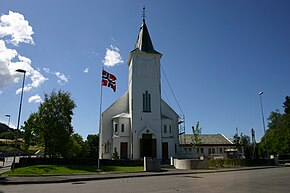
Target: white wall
{"type": "Point", "coordinates": [106, 131]}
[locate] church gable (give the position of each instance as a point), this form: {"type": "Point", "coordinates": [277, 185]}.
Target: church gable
{"type": "Point", "coordinates": [118, 107]}
{"type": "Point", "coordinates": [167, 111]}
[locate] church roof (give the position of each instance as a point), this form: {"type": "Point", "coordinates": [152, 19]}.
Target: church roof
{"type": "Point", "coordinates": [122, 115]}
{"type": "Point", "coordinates": [144, 42]}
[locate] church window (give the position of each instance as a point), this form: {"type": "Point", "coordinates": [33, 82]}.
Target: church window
{"type": "Point", "coordinates": [122, 128]}
{"type": "Point", "coordinates": [165, 129]}
{"type": "Point", "coordinates": [116, 128]}
{"type": "Point", "coordinates": [146, 102]}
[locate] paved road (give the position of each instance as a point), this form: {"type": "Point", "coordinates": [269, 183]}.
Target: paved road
{"type": "Point", "coordinates": [262, 180]}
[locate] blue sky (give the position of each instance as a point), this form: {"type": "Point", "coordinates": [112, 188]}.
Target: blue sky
{"type": "Point", "coordinates": [217, 56]}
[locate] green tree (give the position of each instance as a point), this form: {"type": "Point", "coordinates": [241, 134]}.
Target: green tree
{"type": "Point", "coordinates": [237, 140]}
{"type": "Point", "coordinates": [243, 144]}
{"type": "Point", "coordinates": [278, 134]}
{"type": "Point", "coordinates": [195, 139]}
{"type": "Point", "coordinates": [75, 146]}
{"type": "Point", "coordinates": [29, 127]}
{"type": "Point", "coordinates": [246, 144]}
{"type": "Point", "coordinates": [93, 144]}
{"type": "Point", "coordinates": [54, 122]}
{"type": "Point", "coordinates": [286, 105]}
{"type": "Point", "coordinates": [7, 135]}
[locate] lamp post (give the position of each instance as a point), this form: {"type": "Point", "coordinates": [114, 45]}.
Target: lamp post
{"type": "Point", "coordinates": [267, 151]}
{"type": "Point", "coordinates": [8, 119]}
{"type": "Point", "coordinates": [17, 129]}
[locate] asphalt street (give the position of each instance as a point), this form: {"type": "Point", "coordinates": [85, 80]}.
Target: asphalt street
{"type": "Point", "coordinates": [262, 180]}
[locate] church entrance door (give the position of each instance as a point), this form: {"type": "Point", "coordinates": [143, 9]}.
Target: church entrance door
{"type": "Point", "coordinates": [124, 150]}
{"type": "Point", "coordinates": [164, 151]}
{"type": "Point", "coordinates": [147, 146]}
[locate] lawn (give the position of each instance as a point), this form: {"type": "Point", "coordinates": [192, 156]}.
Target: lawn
{"type": "Point", "coordinates": [70, 169]}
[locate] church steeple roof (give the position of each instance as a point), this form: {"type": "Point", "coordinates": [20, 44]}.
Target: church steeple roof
{"type": "Point", "coordinates": [144, 42]}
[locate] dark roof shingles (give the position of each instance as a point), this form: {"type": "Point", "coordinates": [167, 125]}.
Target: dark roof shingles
{"type": "Point", "coordinates": [208, 139]}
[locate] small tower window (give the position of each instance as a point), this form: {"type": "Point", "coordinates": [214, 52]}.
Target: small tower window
{"type": "Point", "coordinates": [165, 129]}
{"type": "Point", "coordinates": [146, 102]}
{"type": "Point", "coordinates": [116, 128]}
{"type": "Point", "coordinates": [122, 128]}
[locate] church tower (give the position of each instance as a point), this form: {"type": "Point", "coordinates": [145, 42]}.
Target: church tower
{"type": "Point", "coordinates": [145, 97]}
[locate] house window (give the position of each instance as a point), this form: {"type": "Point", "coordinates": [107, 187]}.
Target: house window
{"type": "Point", "coordinates": [165, 129]}
{"type": "Point", "coordinates": [122, 128]}
{"type": "Point", "coordinates": [170, 129]}
{"type": "Point", "coordinates": [116, 128]}
{"type": "Point", "coordinates": [146, 102]}
{"type": "Point", "coordinates": [197, 150]}
{"type": "Point", "coordinates": [221, 150]}
{"type": "Point", "coordinates": [211, 151]}
{"type": "Point", "coordinates": [190, 149]}
{"type": "Point", "coordinates": [201, 150]}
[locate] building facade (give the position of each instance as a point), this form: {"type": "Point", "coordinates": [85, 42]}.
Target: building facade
{"type": "Point", "coordinates": [140, 123]}
{"type": "Point", "coordinates": [213, 146]}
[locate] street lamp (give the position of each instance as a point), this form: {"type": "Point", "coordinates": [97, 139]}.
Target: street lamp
{"type": "Point", "coordinates": [17, 129]}
{"type": "Point", "coordinates": [8, 119]}
{"type": "Point", "coordinates": [267, 151]}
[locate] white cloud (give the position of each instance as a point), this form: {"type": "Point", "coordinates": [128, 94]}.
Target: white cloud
{"type": "Point", "coordinates": [16, 29]}
{"type": "Point", "coordinates": [35, 99]}
{"type": "Point", "coordinates": [15, 25]}
{"type": "Point", "coordinates": [112, 57]}
{"type": "Point", "coordinates": [86, 70]}
{"type": "Point", "coordinates": [62, 79]}
{"type": "Point", "coordinates": [37, 79]}
{"type": "Point", "coordinates": [47, 70]}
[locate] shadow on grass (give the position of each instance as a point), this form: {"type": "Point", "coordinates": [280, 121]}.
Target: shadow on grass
{"type": "Point", "coordinates": [90, 169]}
{"type": "Point", "coordinates": [45, 168]}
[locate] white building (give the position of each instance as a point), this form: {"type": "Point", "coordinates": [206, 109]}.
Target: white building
{"type": "Point", "coordinates": [140, 123]}
{"type": "Point", "coordinates": [215, 146]}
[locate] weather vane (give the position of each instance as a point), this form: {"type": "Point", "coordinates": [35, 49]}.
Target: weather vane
{"type": "Point", "coordinates": [143, 13]}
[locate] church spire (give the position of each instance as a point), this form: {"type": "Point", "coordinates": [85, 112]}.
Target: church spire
{"type": "Point", "coordinates": [143, 14]}
{"type": "Point", "coordinates": [144, 42]}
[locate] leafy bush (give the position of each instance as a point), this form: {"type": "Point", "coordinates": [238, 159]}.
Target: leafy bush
{"type": "Point", "coordinates": [225, 163]}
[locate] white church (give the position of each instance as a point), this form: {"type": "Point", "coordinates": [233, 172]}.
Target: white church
{"type": "Point", "coordinates": [140, 123]}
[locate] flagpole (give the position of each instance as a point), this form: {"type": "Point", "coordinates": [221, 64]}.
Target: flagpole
{"type": "Point", "coordinates": [100, 122]}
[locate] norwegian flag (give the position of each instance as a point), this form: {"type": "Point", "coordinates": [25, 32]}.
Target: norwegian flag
{"type": "Point", "coordinates": [109, 80]}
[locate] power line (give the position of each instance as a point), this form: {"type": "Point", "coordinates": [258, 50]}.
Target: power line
{"type": "Point", "coordinates": [172, 91]}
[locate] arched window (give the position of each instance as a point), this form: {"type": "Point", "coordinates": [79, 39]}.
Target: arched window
{"type": "Point", "coordinates": [146, 102]}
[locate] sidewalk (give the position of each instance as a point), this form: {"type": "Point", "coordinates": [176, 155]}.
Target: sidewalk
{"type": "Point", "coordinates": [36, 179]}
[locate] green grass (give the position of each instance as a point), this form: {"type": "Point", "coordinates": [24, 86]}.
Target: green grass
{"type": "Point", "coordinates": [69, 169]}
{"type": "Point", "coordinates": [122, 168]}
